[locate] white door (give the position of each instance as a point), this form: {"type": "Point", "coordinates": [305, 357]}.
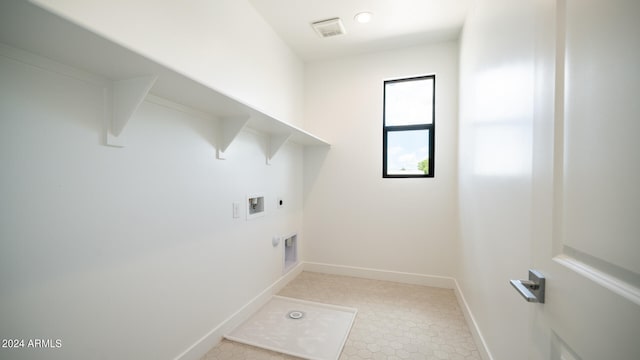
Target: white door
{"type": "Point", "coordinates": [586, 192]}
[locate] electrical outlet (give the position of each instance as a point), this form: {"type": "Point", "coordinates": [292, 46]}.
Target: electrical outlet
{"type": "Point", "coordinates": [236, 210]}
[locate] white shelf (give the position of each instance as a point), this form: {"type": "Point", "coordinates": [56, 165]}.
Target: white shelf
{"type": "Point", "coordinates": [125, 97]}
{"type": "Point", "coordinates": [131, 76]}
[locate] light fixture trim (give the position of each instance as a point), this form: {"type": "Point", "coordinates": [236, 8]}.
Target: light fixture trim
{"type": "Point", "coordinates": [363, 17]}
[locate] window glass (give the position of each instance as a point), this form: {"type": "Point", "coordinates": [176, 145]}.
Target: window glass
{"type": "Point", "coordinates": [408, 128]}
{"type": "Point", "coordinates": [408, 152]}
{"type": "Point", "coordinates": [409, 102]}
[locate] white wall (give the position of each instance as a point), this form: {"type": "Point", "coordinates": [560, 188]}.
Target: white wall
{"type": "Point", "coordinates": [224, 44]}
{"type": "Point", "coordinates": [497, 77]}
{"type": "Point", "coordinates": [354, 217]}
{"type": "Point", "coordinates": [127, 253]}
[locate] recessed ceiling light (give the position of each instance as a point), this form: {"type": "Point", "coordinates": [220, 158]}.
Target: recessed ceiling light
{"type": "Point", "coordinates": [363, 17]}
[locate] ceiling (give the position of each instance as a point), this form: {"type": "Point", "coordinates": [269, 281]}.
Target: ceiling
{"type": "Point", "coordinates": [395, 24]}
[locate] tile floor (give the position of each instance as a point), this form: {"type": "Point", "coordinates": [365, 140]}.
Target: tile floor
{"type": "Point", "coordinates": [394, 321]}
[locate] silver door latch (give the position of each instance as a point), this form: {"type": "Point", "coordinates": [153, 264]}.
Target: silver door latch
{"type": "Point", "coordinates": [531, 290]}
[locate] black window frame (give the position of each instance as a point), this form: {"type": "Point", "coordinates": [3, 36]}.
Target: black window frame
{"type": "Point", "coordinates": [398, 128]}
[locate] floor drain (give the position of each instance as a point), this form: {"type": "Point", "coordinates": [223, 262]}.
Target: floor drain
{"type": "Point", "coordinates": [295, 315]}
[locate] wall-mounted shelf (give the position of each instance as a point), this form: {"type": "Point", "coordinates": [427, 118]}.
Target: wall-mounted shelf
{"type": "Point", "coordinates": [230, 128]}
{"type": "Point", "coordinates": [131, 76]}
{"type": "Point", "coordinates": [125, 97]}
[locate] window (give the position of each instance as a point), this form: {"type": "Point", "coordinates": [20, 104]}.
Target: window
{"type": "Point", "coordinates": [408, 127]}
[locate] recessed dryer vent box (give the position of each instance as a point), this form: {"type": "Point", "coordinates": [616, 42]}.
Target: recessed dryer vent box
{"type": "Point", "coordinates": [255, 206]}
{"type": "Point", "coordinates": [290, 252]}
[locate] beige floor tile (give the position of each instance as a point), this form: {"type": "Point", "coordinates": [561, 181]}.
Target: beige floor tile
{"type": "Point", "coordinates": [394, 321]}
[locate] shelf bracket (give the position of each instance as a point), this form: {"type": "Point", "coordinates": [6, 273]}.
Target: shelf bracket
{"type": "Point", "coordinates": [230, 128]}
{"type": "Point", "coordinates": [125, 97]}
{"type": "Point", "coordinates": [276, 141]}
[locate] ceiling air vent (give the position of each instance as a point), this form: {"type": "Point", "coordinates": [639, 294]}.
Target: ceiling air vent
{"type": "Point", "coordinates": [329, 27]}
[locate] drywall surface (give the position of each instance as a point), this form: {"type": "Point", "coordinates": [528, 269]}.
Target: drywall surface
{"type": "Point", "coordinates": [497, 77]}
{"type": "Point", "coordinates": [128, 253]}
{"type": "Point", "coordinates": [224, 44]}
{"type": "Point", "coordinates": [354, 217]}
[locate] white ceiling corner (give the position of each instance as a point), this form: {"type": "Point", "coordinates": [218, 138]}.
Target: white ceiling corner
{"type": "Point", "coordinates": [395, 24]}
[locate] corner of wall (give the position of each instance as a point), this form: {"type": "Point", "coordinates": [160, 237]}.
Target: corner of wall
{"type": "Point", "coordinates": [213, 337]}
{"type": "Point", "coordinates": [483, 348]}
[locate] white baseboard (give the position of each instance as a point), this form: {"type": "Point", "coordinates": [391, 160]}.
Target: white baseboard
{"type": "Point", "coordinates": [213, 337]}
{"type": "Point", "coordinates": [396, 276]}
{"type": "Point", "coordinates": [483, 349]}
{"type": "Point", "coordinates": [410, 278]}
